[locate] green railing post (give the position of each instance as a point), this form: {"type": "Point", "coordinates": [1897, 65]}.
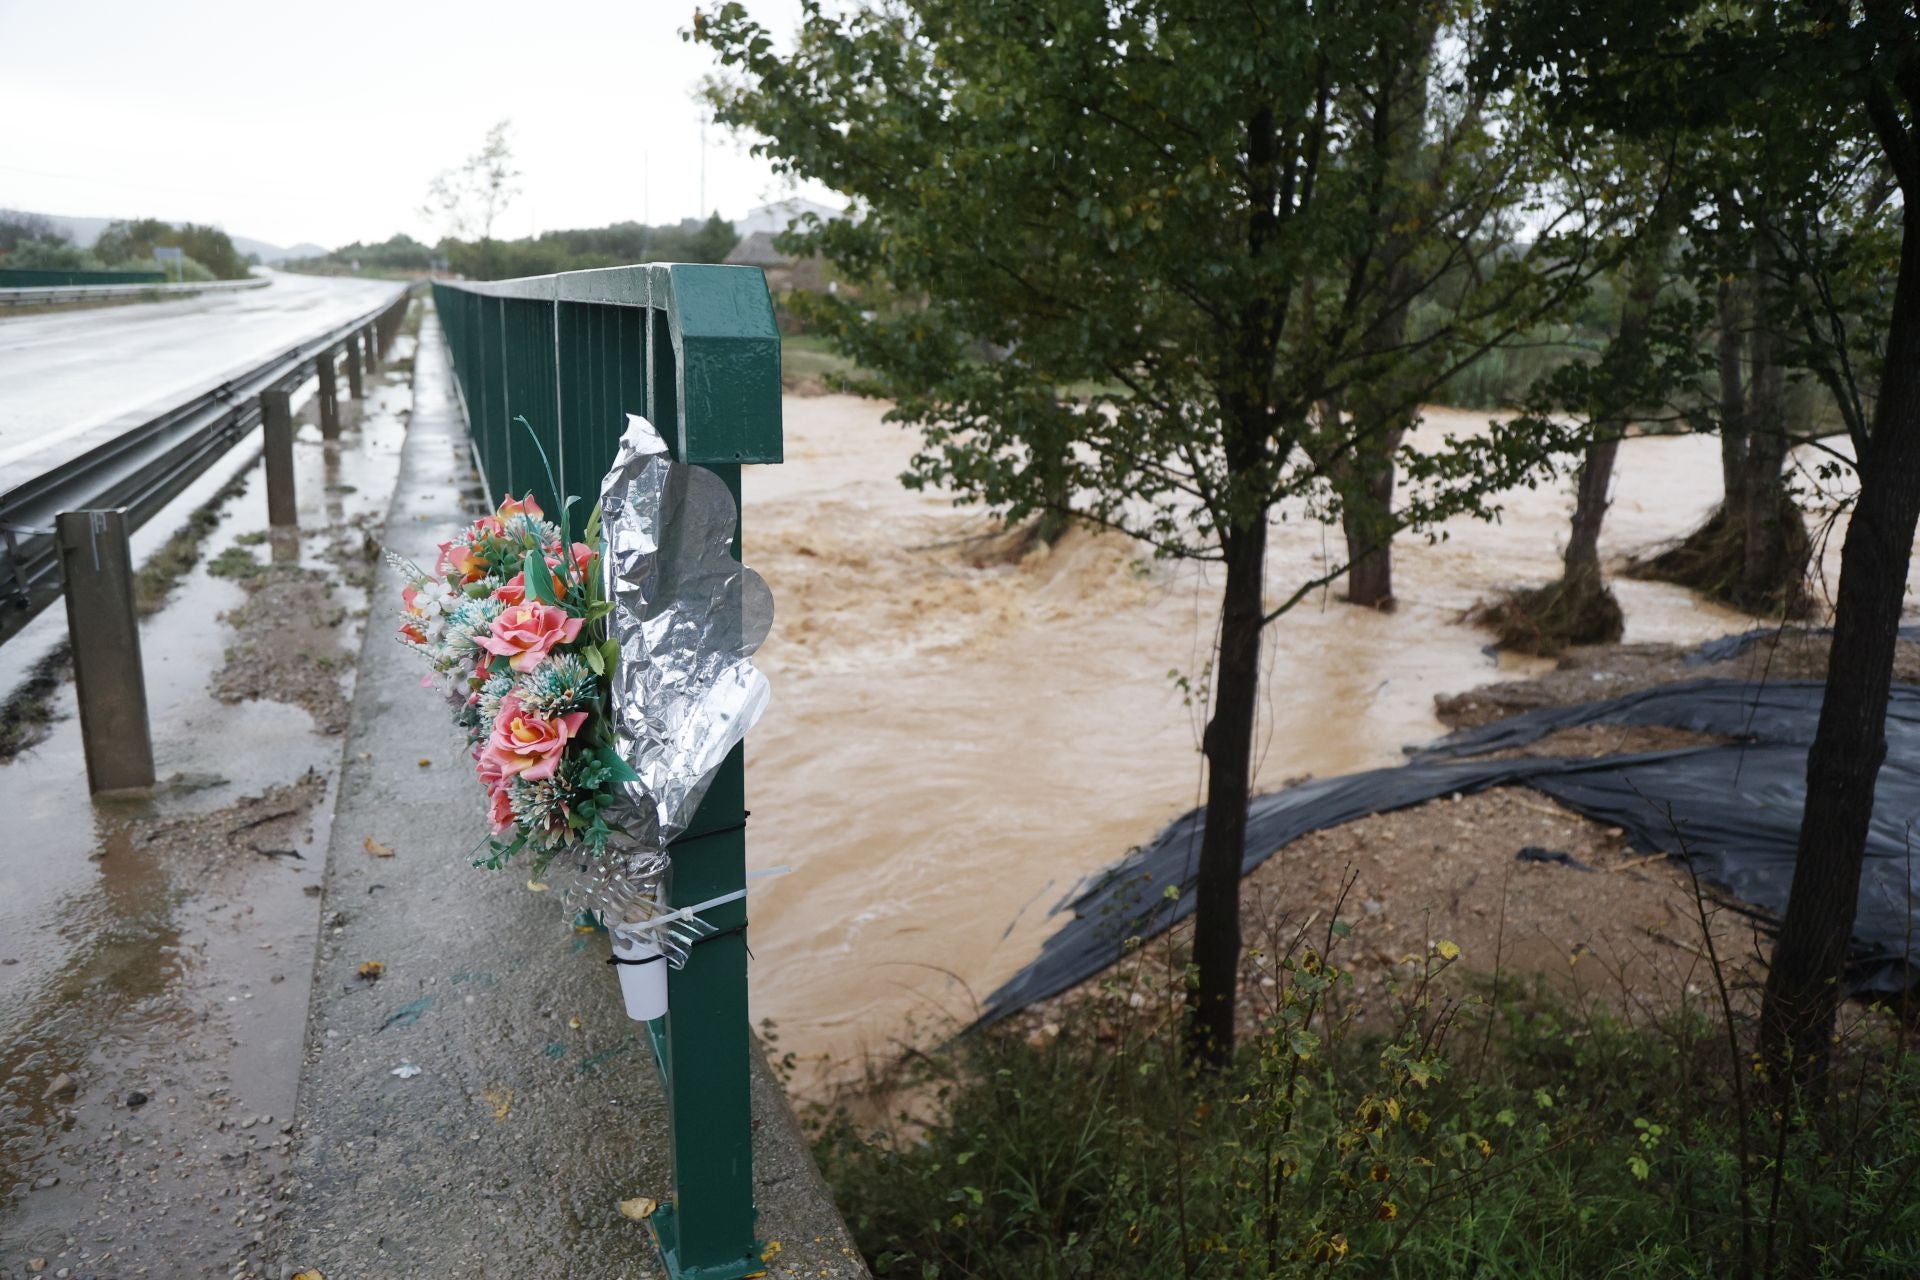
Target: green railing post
{"type": "Point", "coordinates": [694, 349]}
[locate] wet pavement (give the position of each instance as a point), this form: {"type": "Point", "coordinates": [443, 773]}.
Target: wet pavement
{"type": "Point", "coordinates": [156, 952]}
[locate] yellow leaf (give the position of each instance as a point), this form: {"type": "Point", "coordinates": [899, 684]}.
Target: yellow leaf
{"type": "Point", "coordinates": [640, 1208]}
{"type": "Point", "coordinates": [1447, 950]}
{"type": "Point", "coordinates": [771, 1252]}
{"type": "Point", "coordinates": [536, 886]}
{"type": "Point", "coordinates": [425, 763]}
{"type": "Point", "coordinates": [371, 970]}
{"type": "Point", "coordinates": [308, 1275]}
{"type": "Point", "coordinates": [377, 849]}
{"type": "Point", "coordinates": [501, 1100]}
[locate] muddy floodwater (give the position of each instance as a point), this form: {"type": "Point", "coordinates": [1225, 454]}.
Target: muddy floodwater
{"type": "Point", "coordinates": [956, 739]}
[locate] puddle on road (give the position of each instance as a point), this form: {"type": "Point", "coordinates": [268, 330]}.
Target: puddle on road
{"type": "Point", "coordinates": [953, 742]}
{"type": "Point", "coordinates": [156, 952]}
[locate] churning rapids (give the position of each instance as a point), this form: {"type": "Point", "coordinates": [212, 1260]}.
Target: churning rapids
{"type": "Point", "coordinates": [955, 740]}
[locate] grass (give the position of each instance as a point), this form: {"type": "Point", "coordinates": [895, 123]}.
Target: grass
{"type": "Point", "coordinates": [809, 359]}
{"type": "Point", "coordinates": [1518, 1139]}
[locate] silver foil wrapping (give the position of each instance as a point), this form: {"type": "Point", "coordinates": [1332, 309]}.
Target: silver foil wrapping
{"type": "Point", "coordinates": [687, 617]}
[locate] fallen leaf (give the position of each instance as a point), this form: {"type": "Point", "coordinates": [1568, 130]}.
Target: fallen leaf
{"type": "Point", "coordinates": [536, 886]}
{"type": "Point", "coordinates": [640, 1208]}
{"type": "Point", "coordinates": [408, 1014]}
{"type": "Point", "coordinates": [371, 970]}
{"type": "Point", "coordinates": [406, 1071]}
{"type": "Point", "coordinates": [573, 1023]}
{"type": "Point", "coordinates": [771, 1252]}
{"type": "Point", "coordinates": [377, 849]}
{"type": "Point", "coordinates": [425, 763]}
{"type": "Point", "coordinates": [501, 1100]}
{"type": "Point", "coordinates": [308, 1275]}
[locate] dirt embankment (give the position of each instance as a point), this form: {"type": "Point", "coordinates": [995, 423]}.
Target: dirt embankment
{"type": "Point", "coordinates": [1529, 892]}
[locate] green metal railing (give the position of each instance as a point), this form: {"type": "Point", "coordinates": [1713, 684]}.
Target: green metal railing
{"type": "Point", "coordinates": [693, 349]}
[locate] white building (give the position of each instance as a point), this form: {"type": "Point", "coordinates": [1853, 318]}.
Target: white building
{"type": "Point", "coordinates": [778, 216]}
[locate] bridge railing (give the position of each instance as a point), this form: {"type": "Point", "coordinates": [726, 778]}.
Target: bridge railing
{"type": "Point", "coordinates": [694, 350]}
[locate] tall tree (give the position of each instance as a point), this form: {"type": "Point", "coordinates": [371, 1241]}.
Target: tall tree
{"type": "Point", "coordinates": [470, 197]}
{"type": "Point", "coordinates": [1809, 75]}
{"type": "Point", "coordinates": [1173, 202]}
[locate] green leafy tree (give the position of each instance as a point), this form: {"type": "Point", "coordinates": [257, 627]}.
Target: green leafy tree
{"type": "Point", "coordinates": [713, 242]}
{"type": "Point", "coordinates": [1811, 76]}
{"type": "Point", "coordinates": [1212, 213]}
{"type": "Point", "coordinates": [131, 244]}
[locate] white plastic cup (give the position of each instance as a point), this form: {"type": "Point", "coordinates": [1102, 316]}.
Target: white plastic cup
{"type": "Point", "coordinates": [643, 976]}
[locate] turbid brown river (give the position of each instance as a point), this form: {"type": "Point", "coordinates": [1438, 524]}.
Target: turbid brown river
{"type": "Point", "coordinates": [953, 743]}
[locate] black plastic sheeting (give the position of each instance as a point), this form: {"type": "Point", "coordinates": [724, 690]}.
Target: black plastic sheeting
{"type": "Point", "coordinates": [1733, 809]}
{"type": "Point", "coordinates": [1733, 646]}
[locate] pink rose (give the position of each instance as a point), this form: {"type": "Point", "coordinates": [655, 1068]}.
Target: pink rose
{"type": "Point", "coordinates": [513, 590]}
{"type": "Point", "coordinates": [460, 561]}
{"type": "Point", "coordinates": [500, 812]}
{"type": "Point", "coordinates": [526, 633]}
{"type": "Point", "coordinates": [526, 745]}
{"type": "Point", "coordinates": [511, 507]}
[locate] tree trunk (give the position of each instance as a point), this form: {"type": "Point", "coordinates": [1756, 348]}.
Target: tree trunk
{"type": "Point", "coordinates": [1380, 416]}
{"type": "Point", "coordinates": [1590, 503]}
{"type": "Point", "coordinates": [1370, 554]}
{"type": "Point", "coordinates": [1803, 991]}
{"type": "Point", "coordinates": [1733, 400]}
{"type": "Point", "coordinates": [1763, 498]}
{"type": "Point", "coordinates": [1229, 750]}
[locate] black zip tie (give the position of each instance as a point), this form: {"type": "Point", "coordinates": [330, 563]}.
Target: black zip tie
{"type": "Point", "coordinates": [717, 831]}
{"type": "Point", "coordinates": [643, 960]}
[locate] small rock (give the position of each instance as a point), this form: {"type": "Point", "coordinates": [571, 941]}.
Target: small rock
{"type": "Point", "coordinates": [62, 1086]}
{"type": "Point", "coordinates": [1373, 906]}
{"type": "Point", "coordinates": [36, 1264]}
{"type": "Point", "coordinates": [46, 1182]}
{"type": "Point", "coordinates": [137, 1099]}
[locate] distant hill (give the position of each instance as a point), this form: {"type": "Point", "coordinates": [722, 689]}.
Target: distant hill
{"type": "Point", "coordinates": [84, 231]}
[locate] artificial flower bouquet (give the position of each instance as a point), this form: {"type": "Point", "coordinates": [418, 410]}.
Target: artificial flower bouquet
{"type": "Point", "coordinates": [513, 617]}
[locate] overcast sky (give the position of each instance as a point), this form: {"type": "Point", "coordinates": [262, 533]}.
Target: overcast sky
{"type": "Point", "coordinates": [324, 122]}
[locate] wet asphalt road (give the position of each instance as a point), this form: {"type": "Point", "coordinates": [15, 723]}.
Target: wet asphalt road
{"type": "Point", "coordinates": [61, 375]}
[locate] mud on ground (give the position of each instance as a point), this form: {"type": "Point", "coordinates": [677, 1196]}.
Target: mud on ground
{"type": "Point", "coordinates": [1581, 912]}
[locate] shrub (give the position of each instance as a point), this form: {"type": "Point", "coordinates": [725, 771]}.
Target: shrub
{"type": "Point", "coordinates": [1522, 1140]}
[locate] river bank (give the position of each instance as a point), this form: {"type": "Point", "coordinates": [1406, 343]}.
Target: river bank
{"type": "Point", "coordinates": [957, 736]}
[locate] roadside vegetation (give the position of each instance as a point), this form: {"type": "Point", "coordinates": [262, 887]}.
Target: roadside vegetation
{"type": "Point", "coordinates": [31, 242]}
{"type": "Point", "coordinates": [467, 201]}
{"type": "Point", "coordinates": [1519, 1135]}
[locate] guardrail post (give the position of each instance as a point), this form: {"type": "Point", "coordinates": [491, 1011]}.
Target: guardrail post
{"type": "Point", "coordinates": [105, 632]}
{"type": "Point", "coordinates": [329, 396]}
{"type": "Point", "coordinates": [276, 422]}
{"type": "Point", "coordinates": [351, 349]}
{"type": "Point", "coordinates": [373, 347]}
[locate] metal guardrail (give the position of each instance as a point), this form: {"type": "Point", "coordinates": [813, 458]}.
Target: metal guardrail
{"type": "Point", "coordinates": [50, 294]}
{"type": "Point", "coordinates": [693, 349]}
{"type": "Point", "coordinates": [141, 470]}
